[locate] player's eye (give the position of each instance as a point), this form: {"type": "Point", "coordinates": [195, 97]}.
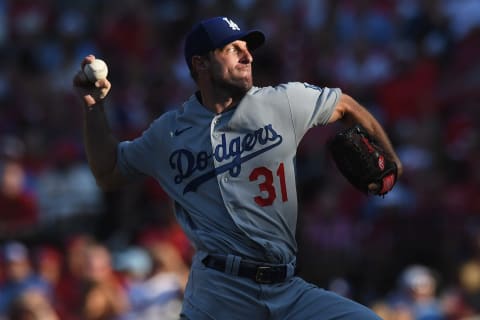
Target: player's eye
{"type": "Point", "coordinates": [232, 49]}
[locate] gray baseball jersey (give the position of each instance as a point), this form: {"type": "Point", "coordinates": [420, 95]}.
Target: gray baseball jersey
{"type": "Point", "coordinates": [232, 175]}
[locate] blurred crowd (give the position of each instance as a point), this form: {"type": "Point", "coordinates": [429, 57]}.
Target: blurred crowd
{"type": "Point", "coordinates": [71, 251]}
{"type": "Point", "coordinates": [84, 279]}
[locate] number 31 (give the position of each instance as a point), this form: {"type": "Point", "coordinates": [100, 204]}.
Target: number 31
{"type": "Point", "coordinates": [267, 185]}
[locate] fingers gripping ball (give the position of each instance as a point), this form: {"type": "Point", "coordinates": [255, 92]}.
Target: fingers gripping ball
{"type": "Point", "coordinates": [96, 70]}
{"type": "Point", "coordinates": [362, 161]}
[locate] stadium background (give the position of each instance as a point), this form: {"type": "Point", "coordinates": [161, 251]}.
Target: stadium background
{"type": "Point", "coordinates": [414, 64]}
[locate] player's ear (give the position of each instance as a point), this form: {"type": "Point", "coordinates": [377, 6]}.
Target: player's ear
{"type": "Point", "coordinates": [200, 63]}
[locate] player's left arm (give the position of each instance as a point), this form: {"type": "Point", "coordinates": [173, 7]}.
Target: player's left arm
{"type": "Point", "coordinates": [350, 112]}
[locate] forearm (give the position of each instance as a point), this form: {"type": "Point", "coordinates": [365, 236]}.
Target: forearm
{"type": "Point", "coordinates": [100, 144]}
{"type": "Point", "coordinates": [375, 129]}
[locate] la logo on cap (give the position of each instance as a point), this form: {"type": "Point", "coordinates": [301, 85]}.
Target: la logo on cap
{"type": "Point", "coordinates": [231, 24]}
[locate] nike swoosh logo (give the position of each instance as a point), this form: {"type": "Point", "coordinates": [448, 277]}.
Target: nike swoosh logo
{"type": "Point", "coordinates": [180, 131]}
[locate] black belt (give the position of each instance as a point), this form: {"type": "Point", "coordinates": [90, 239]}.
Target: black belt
{"type": "Point", "coordinates": [260, 273]}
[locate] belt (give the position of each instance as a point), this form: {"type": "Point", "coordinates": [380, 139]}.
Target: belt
{"type": "Point", "coordinates": [260, 273]}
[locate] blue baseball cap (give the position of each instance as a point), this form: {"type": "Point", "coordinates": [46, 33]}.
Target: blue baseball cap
{"type": "Point", "coordinates": [214, 33]}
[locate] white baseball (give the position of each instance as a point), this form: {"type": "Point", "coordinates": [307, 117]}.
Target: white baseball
{"type": "Point", "coordinates": [96, 70]}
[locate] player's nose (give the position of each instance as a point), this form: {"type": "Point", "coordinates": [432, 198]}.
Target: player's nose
{"type": "Point", "coordinates": [246, 57]}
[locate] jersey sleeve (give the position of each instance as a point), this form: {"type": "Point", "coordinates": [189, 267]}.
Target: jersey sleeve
{"type": "Point", "coordinates": [310, 105]}
{"type": "Point", "coordinates": [134, 158]}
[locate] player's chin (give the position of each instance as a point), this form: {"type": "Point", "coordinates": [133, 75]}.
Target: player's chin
{"type": "Point", "coordinates": [246, 81]}
{"type": "Point", "coordinates": [242, 84]}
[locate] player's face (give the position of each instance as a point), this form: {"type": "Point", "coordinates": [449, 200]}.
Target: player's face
{"type": "Point", "coordinates": [231, 67]}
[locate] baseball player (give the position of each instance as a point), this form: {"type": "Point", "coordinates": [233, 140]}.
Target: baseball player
{"type": "Point", "coordinates": [227, 159]}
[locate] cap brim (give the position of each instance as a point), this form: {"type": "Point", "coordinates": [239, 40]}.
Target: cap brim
{"type": "Point", "coordinates": [254, 39]}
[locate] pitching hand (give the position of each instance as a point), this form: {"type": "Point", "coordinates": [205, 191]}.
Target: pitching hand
{"type": "Point", "coordinates": [91, 93]}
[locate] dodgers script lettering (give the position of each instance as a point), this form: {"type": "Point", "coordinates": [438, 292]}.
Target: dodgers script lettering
{"type": "Point", "coordinates": [229, 156]}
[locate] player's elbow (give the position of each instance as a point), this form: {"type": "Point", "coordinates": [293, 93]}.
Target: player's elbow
{"type": "Point", "coordinates": [345, 110]}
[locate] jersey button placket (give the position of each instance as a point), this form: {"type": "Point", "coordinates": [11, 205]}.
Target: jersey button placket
{"type": "Point", "coordinates": [214, 136]}
{"type": "Point", "coordinates": [215, 140]}
{"type": "Point", "coordinates": [213, 128]}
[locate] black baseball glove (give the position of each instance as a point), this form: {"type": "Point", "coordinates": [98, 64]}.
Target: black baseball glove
{"type": "Point", "coordinates": [362, 161]}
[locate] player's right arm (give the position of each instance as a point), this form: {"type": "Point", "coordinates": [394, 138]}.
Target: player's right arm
{"type": "Point", "coordinates": [100, 144]}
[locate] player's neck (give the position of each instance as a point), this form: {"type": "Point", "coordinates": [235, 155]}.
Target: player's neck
{"type": "Point", "coordinates": [217, 103]}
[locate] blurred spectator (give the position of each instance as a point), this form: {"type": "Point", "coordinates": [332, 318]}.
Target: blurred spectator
{"type": "Point", "coordinates": [461, 300]}
{"type": "Point", "coordinates": [49, 265]}
{"type": "Point", "coordinates": [410, 94]}
{"type": "Point", "coordinates": [133, 263]}
{"type": "Point", "coordinates": [104, 296]}
{"type": "Point", "coordinates": [168, 260]}
{"type": "Point", "coordinates": [18, 207]}
{"type": "Point", "coordinates": [19, 276]}
{"type": "Point", "coordinates": [67, 192]}
{"type": "Point", "coordinates": [388, 312]}
{"type": "Point", "coordinates": [32, 305]}
{"type": "Point", "coordinates": [70, 287]}
{"type": "Point", "coordinates": [168, 231]}
{"type": "Point", "coordinates": [469, 275]}
{"type": "Point", "coordinates": [464, 15]}
{"type": "Point", "coordinates": [362, 68]}
{"type": "Point", "coordinates": [418, 292]}
{"type": "Point", "coordinates": [366, 19]}
{"type": "Point", "coordinates": [160, 294]}
{"type": "Point", "coordinates": [47, 262]}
